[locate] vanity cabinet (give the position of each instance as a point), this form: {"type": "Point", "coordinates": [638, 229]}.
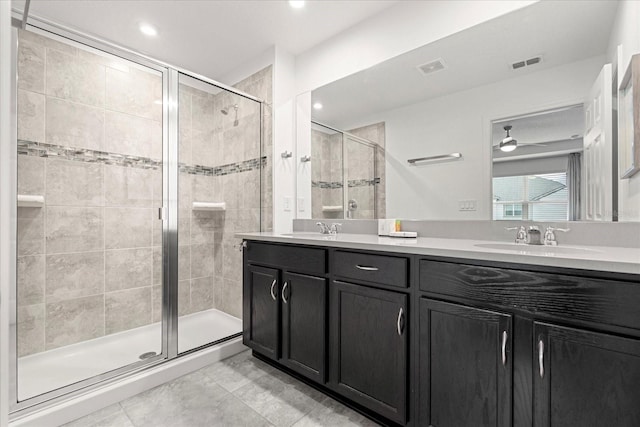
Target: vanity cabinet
{"type": "Point", "coordinates": [570, 355]}
{"type": "Point", "coordinates": [585, 378]}
{"type": "Point", "coordinates": [423, 340]}
{"type": "Point", "coordinates": [467, 380]}
{"type": "Point", "coordinates": [261, 309]}
{"type": "Point", "coordinates": [304, 324]}
{"type": "Point", "coordinates": [284, 306]}
{"type": "Point", "coordinates": [369, 347]}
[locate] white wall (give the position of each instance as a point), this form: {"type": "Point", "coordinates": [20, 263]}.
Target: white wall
{"type": "Point", "coordinates": [395, 30]}
{"type": "Point", "coordinates": [245, 70]}
{"type": "Point", "coordinates": [284, 170]}
{"type": "Point", "coordinates": [460, 122]}
{"type": "Point", "coordinates": [6, 158]}
{"type": "Point", "coordinates": [626, 31]}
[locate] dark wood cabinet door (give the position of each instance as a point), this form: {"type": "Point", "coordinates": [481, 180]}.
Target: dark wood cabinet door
{"type": "Point", "coordinates": [583, 378]}
{"type": "Point", "coordinates": [261, 317]}
{"type": "Point", "coordinates": [304, 324]}
{"type": "Point", "coordinates": [368, 335]}
{"type": "Point", "coordinates": [465, 366]}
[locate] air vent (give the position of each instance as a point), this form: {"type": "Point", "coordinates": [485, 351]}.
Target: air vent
{"type": "Point", "coordinates": [526, 62]}
{"type": "Point", "coordinates": [432, 67]}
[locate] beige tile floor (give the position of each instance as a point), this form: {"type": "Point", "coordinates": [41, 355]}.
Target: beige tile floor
{"type": "Point", "coordinates": [239, 391]}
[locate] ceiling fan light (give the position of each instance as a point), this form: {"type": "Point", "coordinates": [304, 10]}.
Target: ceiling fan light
{"type": "Point", "coordinates": [508, 144]}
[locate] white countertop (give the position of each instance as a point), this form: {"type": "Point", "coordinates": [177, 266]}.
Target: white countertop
{"type": "Point", "coordinates": [597, 258]}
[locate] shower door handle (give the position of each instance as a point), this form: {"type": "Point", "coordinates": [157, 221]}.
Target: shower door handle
{"type": "Point", "coordinates": [273, 286]}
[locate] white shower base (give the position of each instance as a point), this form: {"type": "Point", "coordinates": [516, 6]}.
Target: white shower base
{"type": "Point", "coordinates": [43, 372]}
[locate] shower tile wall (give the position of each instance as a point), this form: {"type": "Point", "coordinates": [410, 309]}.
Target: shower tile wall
{"type": "Point", "coordinates": [326, 174]}
{"type": "Point", "coordinates": [210, 262]}
{"type": "Point", "coordinates": [364, 193]}
{"type": "Point", "coordinates": [90, 142]}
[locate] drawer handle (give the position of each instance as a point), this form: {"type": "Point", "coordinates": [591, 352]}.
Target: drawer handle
{"type": "Point", "coordinates": [504, 348]}
{"type": "Point", "coordinates": [273, 286]}
{"type": "Point", "coordinates": [284, 289]}
{"type": "Point", "coordinates": [366, 268]}
{"type": "Point", "coordinates": [541, 357]}
{"type": "Point", "coordinates": [399, 322]}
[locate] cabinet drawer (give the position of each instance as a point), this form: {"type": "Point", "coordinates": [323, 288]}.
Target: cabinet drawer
{"type": "Point", "coordinates": [601, 301]}
{"type": "Point", "coordinates": [383, 269]}
{"type": "Point", "coordinates": [295, 258]}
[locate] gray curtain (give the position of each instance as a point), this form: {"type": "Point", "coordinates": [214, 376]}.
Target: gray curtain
{"type": "Point", "coordinates": [574, 171]}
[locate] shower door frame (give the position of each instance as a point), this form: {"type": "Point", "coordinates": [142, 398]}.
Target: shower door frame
{"type": "Point", "coordinates": [168, 213]}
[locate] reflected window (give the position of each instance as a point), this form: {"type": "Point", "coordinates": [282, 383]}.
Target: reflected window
{"type": "Point", "coordinates": [540, 197]}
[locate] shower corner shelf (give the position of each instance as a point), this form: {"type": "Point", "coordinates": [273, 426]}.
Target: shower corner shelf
{"type": "Point", "coordinates": [337, 208]}
{"type": "Point", "coordinates": [30, 201]}
{"type": "Point", "coordinates": [209, 206]}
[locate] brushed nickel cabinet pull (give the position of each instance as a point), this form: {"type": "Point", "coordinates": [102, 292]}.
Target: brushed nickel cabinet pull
{"type": "Point", "coordinates": [284, 289]}
{"type": "Point", "coordinates": [504, 348]}
{"type": "Point", "coordinates": [366, 268]}
{"type": "Point", "coordinates": [273, 286]}
{"type": "Point", "coordinates": [399, 322]}
{"type": "Point", "coordinates": [541, 357]}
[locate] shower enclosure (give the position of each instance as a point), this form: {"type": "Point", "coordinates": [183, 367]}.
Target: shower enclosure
{"type": "Point", "coordinates": [131, 179]}
{"type": "Point", "coordinates": [345, 177]}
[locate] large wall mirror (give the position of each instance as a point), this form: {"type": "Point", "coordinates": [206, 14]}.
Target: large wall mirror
{"type": "Point", "coordinates": [511, 119]}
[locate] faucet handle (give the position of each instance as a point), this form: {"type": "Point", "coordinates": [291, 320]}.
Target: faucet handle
{"type": "Point", "coordinates": [521, 235]}
{"type": "Point", "coordinates": [550, 236]}
{"type": "Point", "coordinates": [333, 229]}
{"type": "Point", "coordinates": [323, 227]}
{"type": "Point", "coordinates": [564, 230]}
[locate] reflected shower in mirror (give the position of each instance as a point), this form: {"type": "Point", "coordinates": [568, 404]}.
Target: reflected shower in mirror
{"type": "Point", "coordinates": [345, 173]}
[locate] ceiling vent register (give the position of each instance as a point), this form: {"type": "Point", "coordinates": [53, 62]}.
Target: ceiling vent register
{"type": "Point", "coordinates": [432, 67]}
{"type": "Point", "coordinates": [526, 62]}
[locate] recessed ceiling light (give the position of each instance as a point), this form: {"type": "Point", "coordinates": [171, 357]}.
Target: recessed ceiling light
{"type": "Point", "coordinates": [148, 30]}
{"type": "Point", "coordinates": [317, 106]}
{"type": "Point", "coordinates": [296, 4]}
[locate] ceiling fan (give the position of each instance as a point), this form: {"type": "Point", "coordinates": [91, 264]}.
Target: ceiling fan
{"type": "Point", "coordinates": [509, 143]}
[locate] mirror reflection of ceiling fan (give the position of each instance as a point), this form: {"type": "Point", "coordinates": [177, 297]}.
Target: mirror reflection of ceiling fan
{"type": "Point", "coordinates": [509, 143]}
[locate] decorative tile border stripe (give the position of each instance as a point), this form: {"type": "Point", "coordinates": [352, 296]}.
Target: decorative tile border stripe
{"type": "Point", "coordinates": [351, 183]}
{"type": "Point", "coordinates": [363, 182]}
{"type": "Point", "coordinates": [326, 184]}
{"type": "Point", "coordinates": [231, 168]}
{"type": "Point", "coordinates": [41, 149]}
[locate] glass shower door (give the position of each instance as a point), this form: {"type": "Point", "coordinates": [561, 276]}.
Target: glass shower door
{"type": "Point", "coordinates": [89, 238]}
{"type": "Point", "coordinates": [327, 189]}
{"type": "Point", "coordinates": [218, 195]}
{"type": "Point", "coordinates": [360, 171]}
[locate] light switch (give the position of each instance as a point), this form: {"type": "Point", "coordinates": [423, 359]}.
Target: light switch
{"type": "Point", "coordinates": [287, 204]}
{"type": "Point", "coordinates": [301, 206]}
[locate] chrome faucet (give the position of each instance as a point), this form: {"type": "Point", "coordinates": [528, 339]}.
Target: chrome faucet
{"type": "Point", "coordinates": [324, 229]}
{"type": "Point", "coordinates": [328, 229]}
{"type": "Point", "coordinates": [521, 235]}
{"type": "Point", "coordinates": [534, 237]}
{"type": "Point", "coordinates": [550, 235]}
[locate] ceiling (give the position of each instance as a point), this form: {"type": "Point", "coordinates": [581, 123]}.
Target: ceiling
{"type": "Point", "coordinates": [211, 38]}
{"type": "Point", "coordinates": [562, 32]}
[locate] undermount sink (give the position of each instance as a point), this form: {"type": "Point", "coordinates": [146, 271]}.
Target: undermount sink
{"type": "Point", "coordinates": [535, 249]}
